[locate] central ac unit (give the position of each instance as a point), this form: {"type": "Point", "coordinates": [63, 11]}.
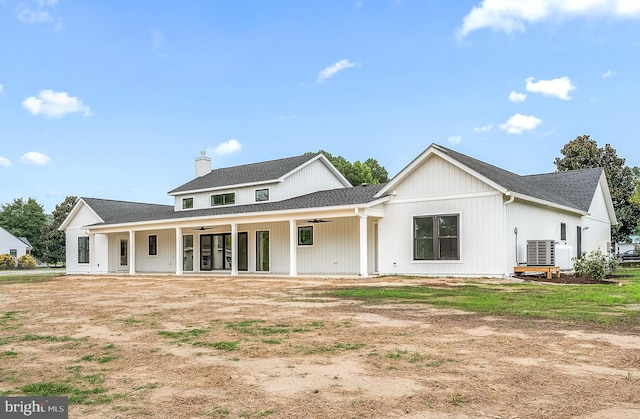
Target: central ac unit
{"type": "Point", "coordinates": [541, 252]}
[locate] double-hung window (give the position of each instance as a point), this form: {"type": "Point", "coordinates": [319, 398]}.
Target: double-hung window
{"type": "Point", "coordinates": [223, 199]}
{"type": "Point", "coordinates": [436, 237]}
{"type": "Point", "coordinates": [83, 249]}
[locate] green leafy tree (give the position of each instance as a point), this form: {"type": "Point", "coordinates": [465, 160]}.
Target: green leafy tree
{"type": "Point", "coordinates": [24, 219]}
{"type": "Point", "coordinates": [53, 240]}
{"type": "Point", "coordinates": [357, 173]}
{"type": "Point", "coordinates": [583, 153]}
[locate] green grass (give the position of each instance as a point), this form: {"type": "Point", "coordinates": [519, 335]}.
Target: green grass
{"type": "Point", "coordinates": [601, 303]}
{"type": "Point", "coordinates": [30, 277]}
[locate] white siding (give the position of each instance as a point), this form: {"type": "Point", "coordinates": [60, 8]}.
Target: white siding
{"type": "Point", "coordinates": [164, 261]}
{"type": "Point", "coordinates": [8, 241]}
{"type": "Point", "coordinates": [335, 250]}
{"type": "Point", "coordinates": [311, 178]}
{"type": "Point", "coordinates": [75, 229]}
{"type": "Point", "coordinates": [535, 222]}
{"type": "Point", "coordinates": [437, 187]}
{"type": "Point", "coordinates": [597, 233]}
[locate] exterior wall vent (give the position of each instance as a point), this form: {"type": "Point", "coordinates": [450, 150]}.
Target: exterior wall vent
{"type": "Point", "coordinates": [541, 253]}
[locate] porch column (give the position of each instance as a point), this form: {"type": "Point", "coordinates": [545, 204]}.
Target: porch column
{"type": "Point", "coordinates": [92, 252]}
{"type": "Point", "coordinates": [234, 249]}
{"type": "Point", "coordinates": [132, 252]}
{"type": "Point", "coordinates": [293, 242]}
{"type": "Point", "coordinates": [178, 250]}
{"type": "Point", "coordinates": [363, 246]}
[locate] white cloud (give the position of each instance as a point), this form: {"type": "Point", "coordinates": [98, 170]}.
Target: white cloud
{"type": "Point", "coordinates": [227, 147]}
{"type": "Point", "coordinates": [5, 162]}
{"type": "Point", "coordinates": [31, 16]}
{"type": "Point", "coordinates": [34, 158]}
{"type": "Point", "coordinates": [485, 128]}
{"type": "Point", "coordinates": [39, 13]}
{"type": "Point", "coordinates": [519, 123]}
{"type": "Point", "coordinates": [512, 15]}
{"type": "Point", "coordinates": [55, 104]}
{"type": "Point", "coordinates": [517, 97]}
{"type": "Point", "coordinates": [1, 88]}
{"type": "Point", "coordinates": [559, 88]}
{"type": "Point", "coordinates": [332, 70]}
{"type": "Point", "coordinates": [608, 74]}
{"type": "Point", "coordinates": [457, 139]}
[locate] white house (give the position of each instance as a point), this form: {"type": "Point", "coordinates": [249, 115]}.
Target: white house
{"type": "Point", "coordinates": [12, 245]}
{"type": "Point", "coordinates": [444, 214]}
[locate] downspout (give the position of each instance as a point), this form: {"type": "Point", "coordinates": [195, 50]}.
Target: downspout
{"type": "Point", "coordinates": [504, 230]}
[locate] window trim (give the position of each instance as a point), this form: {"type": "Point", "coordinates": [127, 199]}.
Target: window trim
{"type": "Point", "coordinates": [224, 197]}
{"type": "Point", "coordinates": [187, 203]}
{"type": "Point", "coordinates": [262, 190]}
{"type": "Point", "coordinates": [153, 247]}
{"type": "Point", "coordinates": [86, 250]}
{"type": "Point", "coordinates": [436, 238]}
{"type": "Point", "coordinates": [13, 253]}
{"type": "Point", "coordinates": [306, 227]}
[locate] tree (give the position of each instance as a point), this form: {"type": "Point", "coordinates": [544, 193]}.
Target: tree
{"type": "Point", "coordinates": [357, 172]}
{"type": "Point", "coordinates": [24, 219]}
{"type": "Point", "coordinates": [53, 240]}
{"type": "Point", "coordinates": [583, 153]}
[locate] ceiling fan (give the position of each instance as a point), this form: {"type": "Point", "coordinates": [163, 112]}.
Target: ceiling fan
{"type": "Point", "coordinates": [319, 220]}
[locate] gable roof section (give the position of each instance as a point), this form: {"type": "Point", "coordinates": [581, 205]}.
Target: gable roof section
{"type": "Point", "coordinates": [123, 212]}
{"type": "Point", "coordinates": [573, 190]}
{"type": "Point", "coordinates": [268, 171]}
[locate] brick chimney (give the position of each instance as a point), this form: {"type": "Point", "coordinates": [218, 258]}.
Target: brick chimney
{"type": "Point", "coordinates": [203, 164]}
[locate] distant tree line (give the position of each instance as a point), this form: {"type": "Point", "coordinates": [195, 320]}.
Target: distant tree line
{"type": "Point", "coordinates": [358, 173]}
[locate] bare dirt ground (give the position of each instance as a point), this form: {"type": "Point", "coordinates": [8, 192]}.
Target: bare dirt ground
{"type": "Point", "coordinates": [191, 347]}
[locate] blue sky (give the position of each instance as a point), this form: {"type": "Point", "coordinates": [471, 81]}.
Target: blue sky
{"type": "Point", "coordinates": [115, 99]}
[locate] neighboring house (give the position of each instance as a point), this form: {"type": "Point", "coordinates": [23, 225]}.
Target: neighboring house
{"type": "Point", "coordinates": [444, 214]}
{"type": "Point", "coordinates": [12, 245]}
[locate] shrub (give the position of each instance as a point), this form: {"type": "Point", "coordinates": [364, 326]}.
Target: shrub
{"type": "Point", "coordinates": [7, 262]}
{"type": "Point", "coordinates": [594, 265]}
{"type": "Point", "coordinates": [26, 262]}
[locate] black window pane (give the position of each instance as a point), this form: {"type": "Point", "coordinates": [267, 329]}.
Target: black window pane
{"type": "Point", "coordinates": [448, 248]}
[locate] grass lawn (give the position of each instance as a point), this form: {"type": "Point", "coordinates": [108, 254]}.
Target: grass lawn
{"type": "Point", "coordinates": [601, 303]}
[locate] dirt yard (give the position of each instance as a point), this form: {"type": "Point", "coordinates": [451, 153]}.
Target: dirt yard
{"type": "Point", "coordinates": [168, 347]}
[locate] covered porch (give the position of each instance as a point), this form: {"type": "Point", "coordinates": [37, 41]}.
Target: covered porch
{"type": "Point", "coordinates": [338, 242]}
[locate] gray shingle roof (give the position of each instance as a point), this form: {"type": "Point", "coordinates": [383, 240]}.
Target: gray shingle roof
{"type": "Point", "coordinates": [574, 188]}
{"type": "Point", "coordinates": [118, 212]}
{"type": "Point", "coordinates": [246, 173]}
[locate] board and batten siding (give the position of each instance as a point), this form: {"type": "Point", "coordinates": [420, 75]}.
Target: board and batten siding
{"type": "Point", "coordinates": [536, 222]}
{"type": "Point", "coordinates": [335, 250]}
{"type": "Point", "coordinates": [74, 230]}
{"type": "Point", "coordinates": [313, 177]}
{"type": "Point", "coordinates": [437, 187]}
{"type": "Point", "coordinates": [165, 260]}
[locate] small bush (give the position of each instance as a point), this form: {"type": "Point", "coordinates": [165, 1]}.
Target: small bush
{"type": "Point", "coordinates": [594, 265]}
{"type": "Point", "coordinates": [26, 262]}
{"type": "Point", "coordinates": [7, 262]}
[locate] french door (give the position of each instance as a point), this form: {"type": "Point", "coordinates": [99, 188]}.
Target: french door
{"type": "Point", "coordinates": [215, 252]}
